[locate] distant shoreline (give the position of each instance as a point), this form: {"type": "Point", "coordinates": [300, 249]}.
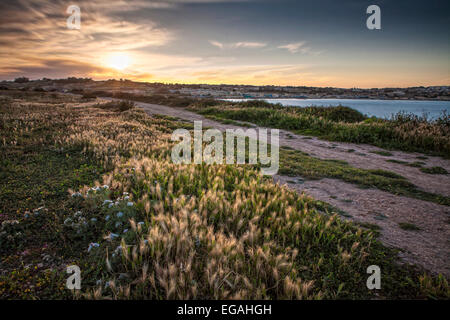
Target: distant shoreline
{"type": "Point", "coordinates": [347, 98]}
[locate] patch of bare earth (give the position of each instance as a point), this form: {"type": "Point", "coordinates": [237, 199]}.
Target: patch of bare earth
{"type": "Point", "coordinates": [428, 247]}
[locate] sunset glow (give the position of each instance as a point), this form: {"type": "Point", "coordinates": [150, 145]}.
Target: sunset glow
{"type": "Point", "coordinates": [119, 61]}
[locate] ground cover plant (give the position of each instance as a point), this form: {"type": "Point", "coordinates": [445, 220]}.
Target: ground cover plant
{"type": "Point", "coordinates": [403, 131]}
{"type": "Point", "coordinates": [141, 227]}
{"type": "Point", "coordinates": [434, 170]}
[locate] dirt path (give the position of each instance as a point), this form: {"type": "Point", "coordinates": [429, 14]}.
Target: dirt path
{"type": "Point", "coordinates": [428, 247]}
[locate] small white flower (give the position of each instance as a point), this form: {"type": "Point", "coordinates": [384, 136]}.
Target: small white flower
{"type": "Point", "coordinates": [126, 198]}
{"type": "Point", "coordinates": [107, 217]}
{"type": "Point", "coordinates": [130, 204]}
{"type": "Point", "coordinates": [141, 222]}
{"type": "Point", "coordinates": [110, 205]}
{"type": "Point", "coordinates": [106, 202]}
{"type": "Point", "coordinates": [118, 224]}
{"type": "Point", "coordinates": [113, 235]}
{"type": "Point", "coordinates": [94, 219]}
{"type": "Point", "coordinates": [105, 186]}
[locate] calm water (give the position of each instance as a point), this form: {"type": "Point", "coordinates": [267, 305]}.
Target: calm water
{"type": "Point", "coordinates": [377, 108]}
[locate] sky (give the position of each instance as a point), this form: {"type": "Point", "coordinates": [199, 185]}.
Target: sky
{"type": "Point", "coordinates": [260, 42]}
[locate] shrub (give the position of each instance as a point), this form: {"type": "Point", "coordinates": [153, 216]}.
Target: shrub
{"type": "Point", "coordinates": [21, 80]}
{"type": "Point", "coordinates": [403, 131]}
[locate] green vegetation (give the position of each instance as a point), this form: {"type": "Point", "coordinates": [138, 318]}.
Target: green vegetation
{"type": "Point", "coordinates": [172, 100]}
{"type": "Point", "coordinates": [434, 170]}
{"type": "Point", "coordinates": [149, 229]}
{"type": "Point", "coordinates": [416, 164]}
{"type": "Point", "coordinates": [228, 121]}
{"type": "Point", "coordinates": [403, 132]}
{"type": "Point", "coordinates": [371, 226]}
{"type": "Point", "coordinates": [382, 153]}
{"type": "Point", "coordinates": [397, 161]}
{"type": "Point", "coordinates": [408, 226]}
{"type": "Point", "coordinates": [34, 180]}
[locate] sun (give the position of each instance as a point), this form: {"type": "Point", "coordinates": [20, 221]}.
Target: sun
{"type": "Point", "coordinates": [119, 61]}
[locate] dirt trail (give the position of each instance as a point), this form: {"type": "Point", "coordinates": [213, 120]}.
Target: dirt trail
{"type": "Point", "coordinates": [428, 247]}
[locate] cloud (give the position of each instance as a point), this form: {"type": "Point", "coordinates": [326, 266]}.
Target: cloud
{"type": "Point", "coordinates": [293, 47]}
{"type": "Point", "coordinates": [32, 31]}
{"type": "Point", "coordinates": [55, 68]}
{"type": "Point", "coordinates": [242, 44]}
{"type": "Point", "coordinates": [216, 44]}
{"type": "Point", "coordinates": [248, 45]}
{"type": "Point", "coordinates": [297, 47]}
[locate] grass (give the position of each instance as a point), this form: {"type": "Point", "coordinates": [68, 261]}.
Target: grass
{"type": "Point", "coordinates": [372, 227]}
{"type": "Point", "coordinates": [228, 121]}
{"type": "Point", "coordinates": [402, 132]}
{"type": "Point", "coordinates": [434, 170]}
{"type": "Point", "coordinates": [297, 163]}
{"type": "Point", "coordinates": [149, 229]}
{"type": "Point", "coordinates": [397, 161]}
{"type": "Point", "coordinates": [408, 226]}
{"type": "Point", "coordinates": [382, 153]}
{"type": "Point", "coordinates": [34, 180]}
{"type": "Point", "coordinates": [173, 100]}
{"type": "Point", "coordinates": [415, 164]}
